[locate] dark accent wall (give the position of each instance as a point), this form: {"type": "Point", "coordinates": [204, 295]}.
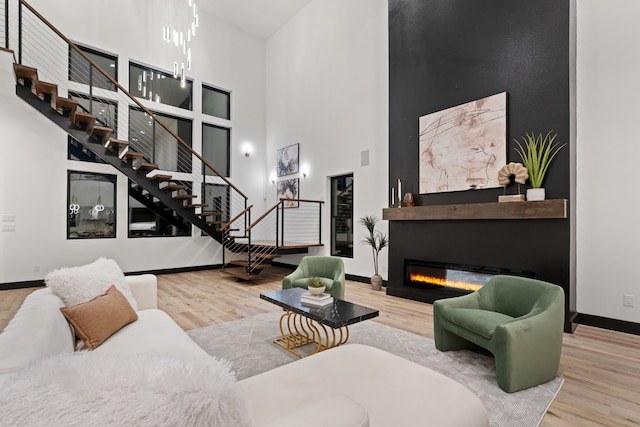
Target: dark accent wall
{"type": "Point", "coordinates": [444, 53]}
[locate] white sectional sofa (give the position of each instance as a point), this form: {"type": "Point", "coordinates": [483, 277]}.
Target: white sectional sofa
{"type": "Point", "coordinates": [352, 385]}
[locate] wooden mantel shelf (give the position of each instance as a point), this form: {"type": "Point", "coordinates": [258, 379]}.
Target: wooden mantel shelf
{"type": "Point", "coordinates": [546, 209]}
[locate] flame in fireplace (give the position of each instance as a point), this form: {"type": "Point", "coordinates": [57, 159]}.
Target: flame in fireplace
{"type": "Point", "coordinates": [439, 281]}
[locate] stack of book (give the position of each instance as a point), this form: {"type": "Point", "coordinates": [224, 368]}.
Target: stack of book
{"type": "Point", "coordinates": [316, 300]}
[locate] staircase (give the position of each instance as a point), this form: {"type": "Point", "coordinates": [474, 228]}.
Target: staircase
{"type": "Point", "coordinates": [151, 187]}
{"type": "Point", "coordinates": [249, 247]}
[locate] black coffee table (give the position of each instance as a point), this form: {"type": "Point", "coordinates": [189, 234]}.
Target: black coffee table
{"type": "Point", "coordinates": [326, 326]}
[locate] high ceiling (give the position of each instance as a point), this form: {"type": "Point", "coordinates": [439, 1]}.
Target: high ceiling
{"type": "Point", "coordinates": [262, 18]}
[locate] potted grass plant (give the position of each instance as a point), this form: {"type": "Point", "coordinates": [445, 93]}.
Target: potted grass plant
{"type": "Point", "coordinates": [316, 285]}
{"type": "Point", "coordinates": [537, 152]}
{"type": "Point", "coordinates": [377, 241]}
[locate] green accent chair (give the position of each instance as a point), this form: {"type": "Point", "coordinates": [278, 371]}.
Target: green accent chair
{"type": "Point", "coordinates": [519, 320]}
{"type": "Point", "coordinates": [330, 269]}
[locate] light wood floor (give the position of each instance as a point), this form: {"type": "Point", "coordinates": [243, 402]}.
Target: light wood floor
{"type": "Point", "coordinates": [601, 368]}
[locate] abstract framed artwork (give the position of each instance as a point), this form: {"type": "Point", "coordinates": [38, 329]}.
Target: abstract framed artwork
{"type": "Point", "coordinates": [289, 189]}
{"type": "Point", "coordinates": [288, 160]}
{"type": "Point", "coordinates": [463, 147]}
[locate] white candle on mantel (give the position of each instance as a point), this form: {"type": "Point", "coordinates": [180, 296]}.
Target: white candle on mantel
{"type": "Point", "coordinates": [393, 196]}
{"type": "Point", "coordinates": [399, 193]}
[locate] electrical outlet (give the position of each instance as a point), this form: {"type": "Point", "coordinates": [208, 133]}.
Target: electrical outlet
{"type": "Point", "coordinates": [8, 228]}
{"type": "Point", "coordinates": [628, 300]}
{"type": "Point", "coordinates": [8, 218]}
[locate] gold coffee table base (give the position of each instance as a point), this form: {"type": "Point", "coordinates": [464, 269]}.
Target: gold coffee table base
{"type": "Point", "coordinates": [298, 331]}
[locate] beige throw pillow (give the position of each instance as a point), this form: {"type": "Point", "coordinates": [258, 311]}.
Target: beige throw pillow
{"type": "Point", "coordinates": [96, 320]}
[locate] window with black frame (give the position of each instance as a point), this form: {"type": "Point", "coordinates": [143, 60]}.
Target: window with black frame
{"type": "Point", "coordinates": [81, 72]}
{"type": "Point", "coordinates": [216, 142]}
{"type": "Point", "coordinates": [158, 86]}
{"type": "Point", "coordinates": [342, 216]}
{"type": "Point", "coordinates": [157, 143]}
{"type": "Point", "coordinates": [91, 205]}
{"type": "Point", "coordinates": [216, 102]}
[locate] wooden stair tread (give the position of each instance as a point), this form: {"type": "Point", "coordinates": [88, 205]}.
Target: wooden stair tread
{"type": "Point", "coordinates": [160, 177]}
{"type": "Point", "coordinates": [173, 187]}
{"type": "Point", "coordinates": [196, 205]}
{"type": "Point", "coordinates": [46, 87]}
{"type": "Point", "coordinates": [185, 196]}
{"type": "Point", "coordinates": [101, 131]}
{"type": "Point", "coordinates": [66, 103]}
{"type": "Point", "coordinates": [63, 104]}
{"type": "Point", "coordinates": [245, 263]}
{"type": "Point", "coordinates": [130, 154]}
{"type": "Point", "coordinates": [42, 89]}
{"type": "Point", "coordinates": [259, 255]}
{"type": "Point", "coordinates": [144, 166]}
{"type": "Point", "coordinates": [24, 71]}
{"type": "Point", "coordinates": [82, 117]}
{"type": "Point", "coordinates": [203, 214]}
{"type": "Point", "coordinates": [214, 222]}
{"type": "Point", "coordinates": [116, 143]}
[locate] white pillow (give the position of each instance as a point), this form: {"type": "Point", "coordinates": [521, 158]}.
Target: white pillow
{"type": "Point", "coordinates": [143, 390]}
{"type": "Point", "coordinates": [75, 285]}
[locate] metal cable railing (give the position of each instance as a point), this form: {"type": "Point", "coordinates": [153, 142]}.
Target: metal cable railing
{"type": "Point", "coordinates": [287, 225]}
{"type": "Point", "coordinates": [4, 25]}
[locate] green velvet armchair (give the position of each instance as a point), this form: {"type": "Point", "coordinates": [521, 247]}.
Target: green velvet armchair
{"type": "Point", "coordinates": [519, 320]}
{"type": "Point", "coordinates": [330, 269]}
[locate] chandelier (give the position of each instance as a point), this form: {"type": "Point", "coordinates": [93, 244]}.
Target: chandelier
{"type": "Point", "coordinates": [182, 21]}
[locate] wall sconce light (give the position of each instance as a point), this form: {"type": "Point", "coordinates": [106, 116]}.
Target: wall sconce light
{"type": "Point", "coordinates": [272, 177]}
{"type": "Point", "coordinates": [247, 149]}
{"type": "Point", "coordinates": [305, 170]}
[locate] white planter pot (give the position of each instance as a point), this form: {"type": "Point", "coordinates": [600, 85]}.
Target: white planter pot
{"type": "Point", "coordinates": [535, 194]}
{"type": "Point", "coordinates": [316, 291]}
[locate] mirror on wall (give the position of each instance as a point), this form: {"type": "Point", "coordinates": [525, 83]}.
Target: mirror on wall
{"type": "Point", "coordinates": [91, 205]}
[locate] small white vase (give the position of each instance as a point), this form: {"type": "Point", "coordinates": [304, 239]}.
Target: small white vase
{"type": "Point", "coordinates": [535, 194]}
{"type": "Point", "coordinates": [317, 291]}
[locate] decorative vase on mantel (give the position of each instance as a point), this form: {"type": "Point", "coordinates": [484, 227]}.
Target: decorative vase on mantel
{"type": "Point", "coordinates": [376, 282]}
{"type": "Point", "coordinates": [535, 194]}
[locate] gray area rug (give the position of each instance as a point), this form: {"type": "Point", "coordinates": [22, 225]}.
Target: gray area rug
{"type": "Point", "coordinates": [248, 345]}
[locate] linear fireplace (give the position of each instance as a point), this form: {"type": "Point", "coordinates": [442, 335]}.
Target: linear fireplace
{"type": "Point", "coordinates": [443, 280]}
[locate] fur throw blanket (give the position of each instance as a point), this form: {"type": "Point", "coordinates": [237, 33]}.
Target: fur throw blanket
{"type": "Point", "coordinates": [90, 389]}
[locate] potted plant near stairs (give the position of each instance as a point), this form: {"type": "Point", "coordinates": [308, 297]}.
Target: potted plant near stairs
{"type": "Point", "coordinates": [377, 241]}
{"type": "Point", "coordinates": [536, 154]}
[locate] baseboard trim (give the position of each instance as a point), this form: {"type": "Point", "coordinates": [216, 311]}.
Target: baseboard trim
{"type": "Point", "coordinates": [176, 270]}
{"type": "Point", "coordinates": [39, 283]}
{"type": "Point", "coordinates": [21, 285]}
{"type": "Point", "coordinates": [607, 323]}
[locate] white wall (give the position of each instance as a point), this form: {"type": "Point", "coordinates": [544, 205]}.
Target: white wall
{"type": "Point", "coordinates": [33, 165]}
{"type": "Point", "coordinates": [327, 89]}
{"type": "Point", "coordinates": [608, 149]}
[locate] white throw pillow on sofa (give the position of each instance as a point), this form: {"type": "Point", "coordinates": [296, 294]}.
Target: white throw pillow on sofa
{"type": "Point", "coordinates": [75, 285]}
{"type": "Point", "coordinates": [144, 390]}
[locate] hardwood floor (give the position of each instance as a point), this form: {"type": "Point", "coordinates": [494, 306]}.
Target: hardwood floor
{"type": "Point", "coordinates": [601, 368]}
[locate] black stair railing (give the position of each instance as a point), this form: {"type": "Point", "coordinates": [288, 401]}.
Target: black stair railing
{"type": "Point", "coordinates": [286, 227]}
